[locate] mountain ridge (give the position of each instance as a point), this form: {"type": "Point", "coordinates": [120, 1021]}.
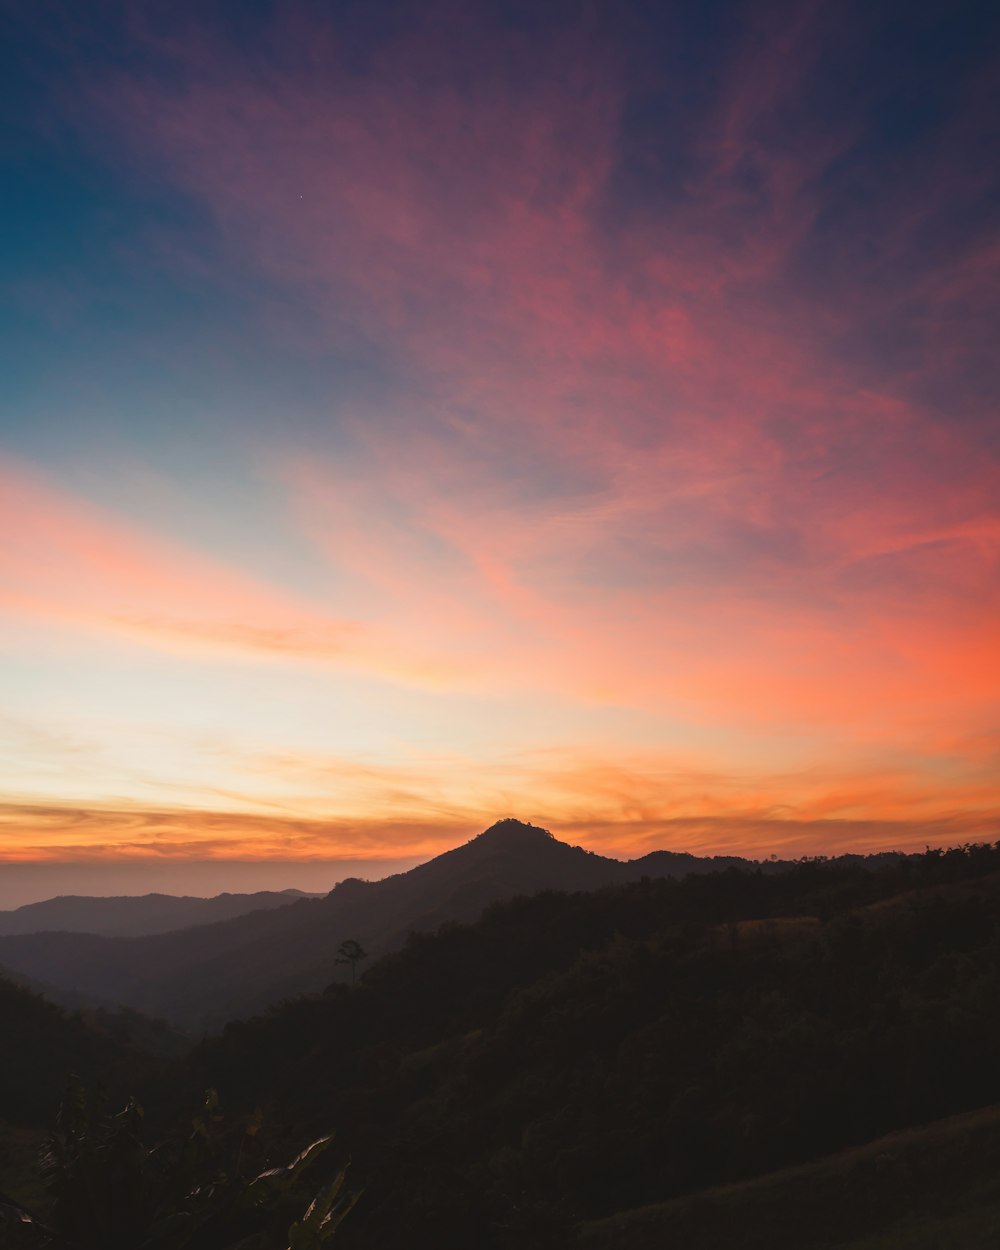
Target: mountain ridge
{"type": "Point", "coordinates": [577, 1057]}
{"type": "Point", "coordinates": [135, 915]}
{"type": "Point", "coordinates": [201, 977]}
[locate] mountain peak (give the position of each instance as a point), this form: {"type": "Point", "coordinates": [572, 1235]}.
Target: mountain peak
{"type": "Point", "coordinates": [510, 830]}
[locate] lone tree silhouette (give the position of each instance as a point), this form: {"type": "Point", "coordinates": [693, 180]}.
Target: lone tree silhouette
{"type": "Point", "coordinates": [350, 951]}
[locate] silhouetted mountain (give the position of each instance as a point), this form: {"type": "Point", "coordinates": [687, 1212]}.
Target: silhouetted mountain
{"type": "Point", "coordinates": [649, 1063]}
{"type": "Point", "coordinates": [507, 859]}
{"type": "Point", "coordinates": [576, 1057]}
{"type": "Point", "coordinates": [134, 916]}
{"type": "Point", "coordinates": [201, 977]}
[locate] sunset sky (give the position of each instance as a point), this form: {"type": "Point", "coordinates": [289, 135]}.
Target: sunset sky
{"type": "Point", "coordinates": [415, 414]}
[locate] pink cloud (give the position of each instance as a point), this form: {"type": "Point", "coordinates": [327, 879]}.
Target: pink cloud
{"type": "Point", "coordinates": [627, 460]}
{"type": "Point", "coordinates": [75, 562]}
{"type": "Point", "coordinates": [80, 567]}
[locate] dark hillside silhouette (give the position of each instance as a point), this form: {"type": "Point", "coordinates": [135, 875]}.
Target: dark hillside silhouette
{"type": "Point", "coordinates": [574, 1056]}
{"type": "Point", "coordinates": [203, 976]}
{"type": "Point", "coordinates": [41, 1044]}
{"type": "Point", "coordinates": [625, 1064]}
{"type": "Point", "coordinates": [929, 1188]}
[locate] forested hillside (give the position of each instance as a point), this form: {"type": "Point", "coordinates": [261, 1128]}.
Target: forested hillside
{"type": "Point", "coordinates": [571, 1057]}
{"type": "Point", "coordinates": [40, 1044]}
{"type": "Point", "coordinates": [201, 977]}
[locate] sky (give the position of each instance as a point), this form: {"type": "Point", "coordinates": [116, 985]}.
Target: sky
{"type": "Point", "coordinates": [414, 414]}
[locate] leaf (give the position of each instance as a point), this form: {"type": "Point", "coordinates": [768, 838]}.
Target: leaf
{"type": "Point", "coordinates": [322, 1217]}
{"type": "Point", "coordinates": [319, 1208]}
{"type": "Point", "coordinates": [278, 1180]}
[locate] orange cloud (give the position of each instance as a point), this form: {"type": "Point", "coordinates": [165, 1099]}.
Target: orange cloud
{"type": "Point", "coordinates": [322, 806]}
{"type": "Point", "coordinates": [611, 817]}
{"type": "Point", "coordinates": [35, 832]}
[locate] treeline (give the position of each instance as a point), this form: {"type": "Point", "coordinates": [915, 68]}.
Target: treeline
{"type": "Point", "coordinates": [41, 1044]}
{"type": "Point", "coordinates": [571, 1056]}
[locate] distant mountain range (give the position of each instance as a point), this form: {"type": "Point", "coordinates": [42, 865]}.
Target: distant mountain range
{"type": "Point", "coordinates": [136, 916]}
{"type": "Point", "coordinates": [199, 977]}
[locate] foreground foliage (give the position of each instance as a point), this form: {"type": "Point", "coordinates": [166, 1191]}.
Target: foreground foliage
{"type": "Point", "coordinates": [108, 1190]}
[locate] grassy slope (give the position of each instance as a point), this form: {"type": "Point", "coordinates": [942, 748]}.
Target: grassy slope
{"type": "Point", "coordinates": [978, 1229]}
{"type": "Point", "coordinates": [929, 1188]}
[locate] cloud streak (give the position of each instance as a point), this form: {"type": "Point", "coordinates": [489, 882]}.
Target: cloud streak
{"type": "Point", "coordinates": [691, 420]}
{"type": "Point", "coordinates": [647, 423]}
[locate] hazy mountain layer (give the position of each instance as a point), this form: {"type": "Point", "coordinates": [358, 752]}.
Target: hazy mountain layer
{"type": "Point", "coordinates": [201, 977]}
{"type": "Point", "coordinates": [130, 916]}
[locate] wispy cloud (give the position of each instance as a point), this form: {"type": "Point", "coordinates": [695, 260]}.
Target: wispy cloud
{"type": "Point", "coordinates": [329, 807]}
{"type": "Point", "coordinates": [629, 458]}
{"type": "Point", "coordinates": [694, 423]}
{"type": "Point", "coordinates": [81, 567]}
